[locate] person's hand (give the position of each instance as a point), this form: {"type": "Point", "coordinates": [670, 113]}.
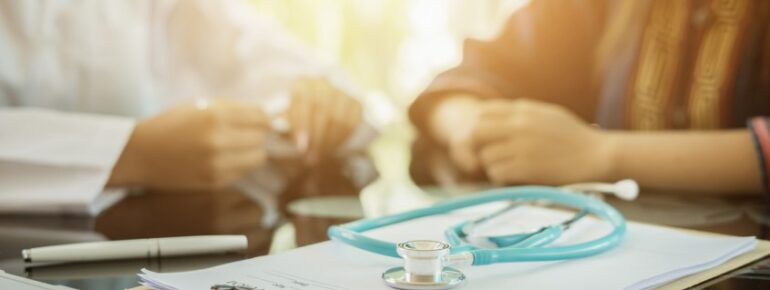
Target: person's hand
{"type": "Point", "coordinates": [321, 117]}
{"type": "Point", "coordinates": [460, 139]}
{"type": "Point", "coordinates": [451, 124]}
{"type": "Point", "coordinates": [194, 147]}
{"type": "Point", "coordinates": [525, 141]}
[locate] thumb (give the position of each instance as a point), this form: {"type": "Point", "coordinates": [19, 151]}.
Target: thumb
{"type": "Point", "coordinates": [463, 155]}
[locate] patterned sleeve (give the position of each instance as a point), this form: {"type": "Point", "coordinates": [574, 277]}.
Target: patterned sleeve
{"type": "Point", "coordinates": [525, 58]}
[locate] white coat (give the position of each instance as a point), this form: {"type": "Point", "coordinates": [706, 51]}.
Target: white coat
{"type": "Point", "coordinates": [74, 75]}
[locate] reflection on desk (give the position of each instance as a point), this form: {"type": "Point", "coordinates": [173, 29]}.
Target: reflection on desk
{"type": "Point", "coordinates": [165, 214]}
{"type": "Point", "coordinates": [124, 268]}
{"type": "Point", "coordinates": [150, 215]}
{"type": "Point", "coordinates": [156, 214]}
{"type": "Point", "coordinates": [117, 274]}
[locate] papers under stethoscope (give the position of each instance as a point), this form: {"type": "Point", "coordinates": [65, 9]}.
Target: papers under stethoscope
{"type": "Point", "coordinates": [651, 254]}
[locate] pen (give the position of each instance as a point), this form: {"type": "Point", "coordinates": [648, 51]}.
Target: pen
{"type": "Point", "coordinates": [139, 248]}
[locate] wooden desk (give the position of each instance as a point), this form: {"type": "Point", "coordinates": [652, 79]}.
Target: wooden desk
{"type": "Point", "coordinates": [151, 215]}
{"type": "Point", "coordinates": [145, 216]}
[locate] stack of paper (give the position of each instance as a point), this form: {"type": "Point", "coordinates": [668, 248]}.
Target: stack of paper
{"type": "Point", "coordinates": [649, 256]}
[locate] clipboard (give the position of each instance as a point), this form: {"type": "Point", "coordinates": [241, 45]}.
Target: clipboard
{"type": "Point", "coordinates": [762, 250]}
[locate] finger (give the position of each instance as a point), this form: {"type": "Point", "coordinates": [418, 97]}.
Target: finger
{"type": "Point", "coordinates": [489, 131]}
{"type": "Point", "coordinates": [233, 139]}
{"type": "Point", "coordinates": [506, 173]}
{"type": "Point", "coordinates": [244, 161]}
{"type": "Point", "coordinates": [354, 115]}
{"type": "Point", "coordinates": [327, 112]}
{"type": "Point", "coordinates": [244, 114]}
{"type": "Point", "coordinates": [234, 165]}
{"type": "Point", "coordinates": [299, 118]}
{"type": "Point", "coordinates": [496, 109]}
{"type": "Point", "coordinates": [464, 157]}
{"type": "Point", "coordinates": [318, 132]}
{"type": "Point", "coordinates": [343, 118]}
{"type": "Point", "coordinates": [504, 109]}
{"type": "Point", "coordinates": [352, 123]}
{"type": "Point", "coordinates": [496, 153]}
{"type": "Point", "coordinates": [324, 105]}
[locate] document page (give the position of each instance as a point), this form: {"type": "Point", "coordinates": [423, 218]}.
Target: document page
{"type": "Point", "coordinates": [649, 256]}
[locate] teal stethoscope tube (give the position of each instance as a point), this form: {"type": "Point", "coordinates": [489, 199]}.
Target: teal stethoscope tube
{"type": "Point", "coordinates": [350, 233]}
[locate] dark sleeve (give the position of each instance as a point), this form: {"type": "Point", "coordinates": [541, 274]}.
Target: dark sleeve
{"type": "Point", "coordinates": [544, 52]}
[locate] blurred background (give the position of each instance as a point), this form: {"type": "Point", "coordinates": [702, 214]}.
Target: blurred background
{"type": "Point", "coordinates": [390, 48]}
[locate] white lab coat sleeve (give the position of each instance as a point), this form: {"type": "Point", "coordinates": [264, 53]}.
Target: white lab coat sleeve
{"type": "Point", "coordinates": [54, 162]}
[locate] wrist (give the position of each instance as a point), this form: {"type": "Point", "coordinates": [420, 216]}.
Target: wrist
{"type": "Point", "coordinates": [611, 153]}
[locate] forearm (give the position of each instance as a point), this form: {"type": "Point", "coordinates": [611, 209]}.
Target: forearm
{"type": "Point", "coordinates": [699, 162]}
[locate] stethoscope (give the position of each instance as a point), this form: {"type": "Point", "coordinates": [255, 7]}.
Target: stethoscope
{"type": "Point", "coordinates": [429, 264]}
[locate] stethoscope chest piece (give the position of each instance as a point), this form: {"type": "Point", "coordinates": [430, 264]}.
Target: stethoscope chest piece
{"type": "Point", "coordinates": [423, 267]}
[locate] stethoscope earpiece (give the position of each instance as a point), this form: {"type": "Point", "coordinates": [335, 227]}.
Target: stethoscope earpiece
{"type": "Point", "coordinates": [626, 189]}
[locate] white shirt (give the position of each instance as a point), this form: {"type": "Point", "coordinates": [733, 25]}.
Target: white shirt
{"type": "Point", "coordinates": [98, 65]}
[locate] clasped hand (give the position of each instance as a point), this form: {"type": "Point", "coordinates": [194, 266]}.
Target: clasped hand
{"type": "Point", "coordinates": [524, 141]}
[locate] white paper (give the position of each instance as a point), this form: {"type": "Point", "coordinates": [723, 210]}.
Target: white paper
{"type": "Point", "coordinates": [649, 256]}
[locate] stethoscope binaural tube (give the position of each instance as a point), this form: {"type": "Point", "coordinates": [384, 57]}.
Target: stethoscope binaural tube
{"type": "Point", "coordinates": [350, 233]}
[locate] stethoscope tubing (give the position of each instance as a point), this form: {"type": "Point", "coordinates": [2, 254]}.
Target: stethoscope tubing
{"type": "Point", "coordinates": [350, 233]}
